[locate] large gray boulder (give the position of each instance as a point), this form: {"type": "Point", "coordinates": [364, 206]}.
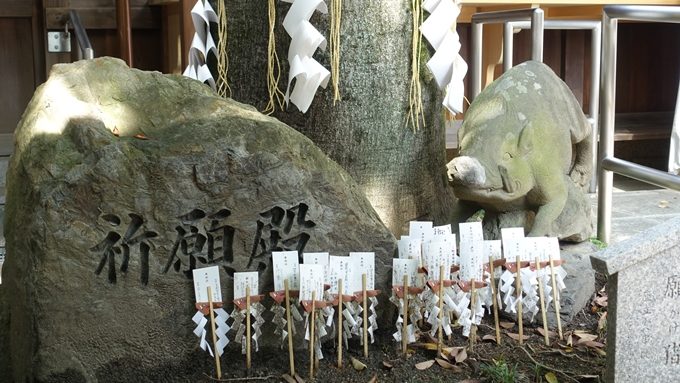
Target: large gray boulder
{"type": "Point", "coordinates": [121, 182]}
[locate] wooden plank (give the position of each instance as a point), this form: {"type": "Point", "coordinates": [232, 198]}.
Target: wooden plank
{"type": "Point", "coordinates": [124, 30]}
{"type": "Point", "coordinates": [6, 144]}
{"type": "Point", "coordinates": [172, 46]}
{"type": "Point", "coordinates": [643, 126]}
{"type": "Point", "coordinates": [574, 61]}
{"type": "Point", "coordinates": [16, 8]}
{"type": "Point", "coordinates": [16, 70]}
{"type": "Point", "coordinates": [104, 18]}
{"type": "Point", "coordinates": [186, 28]}
{"type": "Point", "coordinates": [102, 4]}
{"type": "Point", "coordinates": [581, 12]}
{"type": "Point", "coordinates": [647, 72]}
{"type": "Point", "coordinates": [38, 28]}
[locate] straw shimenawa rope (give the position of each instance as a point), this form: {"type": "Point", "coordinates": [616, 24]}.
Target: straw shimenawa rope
{"type": "Point", "coordinates": [223, 88]}
{"type": "Point", "coordinates": [276, 96]}
{"type": "Point", "coordinates": [415, 111]}
{"type": "Point", "coordinates": [336, 17]}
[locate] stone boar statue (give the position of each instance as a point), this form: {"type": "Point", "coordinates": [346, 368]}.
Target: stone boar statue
{"type": "Point", "coordinates": [525, 156]}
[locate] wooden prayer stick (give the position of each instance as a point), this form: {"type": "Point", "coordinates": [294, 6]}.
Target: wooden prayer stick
{"type": "Point", "coordinates": [421, 281]}
{"type": "Point", "coordinates": [248, 327]}
{"type": "Point", "coordinates": [291, 356]}
{"type": "Point", "coordinates": [218, 365]}
{"type": "Point", "coordinates": [556, 297]}
{"type": "Point", "coordinates": [541, 295]}
{"type": "Point", "coordinates": [495, 300]}
{"type": "Point", "coordinates": [404, 325]}
{"type": "Point", "coordinates": [440, 329]}
{"type": "Point", "coordinates": [473, 304]}
{"type": "Point", "coordinates": [312, 343]}
{"type": "Point", "coordinates": [340, 329]}
{"type": "Point", "coordinates": [518, 287]}
{"type": "Point", "coordinates": [365, 296]}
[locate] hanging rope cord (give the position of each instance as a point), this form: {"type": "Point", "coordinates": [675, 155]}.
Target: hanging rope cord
{"type": "Point", "coordinates": [276, 96]}
{"type": "Point", "coordinates": [336, 18]}
{"type": "Point", "coordinates": [415, 111]}
{"type": "Point", "coordinates": [223, 88]}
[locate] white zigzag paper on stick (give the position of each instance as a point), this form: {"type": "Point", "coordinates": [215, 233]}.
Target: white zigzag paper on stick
{"type": "Point", "coordinates": [447, 65]}
{"type": "Point", "coordinates": [202, 15]}
{"type": "Point", "coordinates": [305, 40]}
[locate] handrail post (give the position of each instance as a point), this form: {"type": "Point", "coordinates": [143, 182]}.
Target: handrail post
{"type": "Point", "coordinates": [594, 106]}
{"type": "Point", "coordinates": [478, 19]}
{"type": "Point", "coordinates": [607, 108]}
{"type": "Point", "coordinates": [85, 48]}
{"type": "Point", "coordinates": [608, 163]}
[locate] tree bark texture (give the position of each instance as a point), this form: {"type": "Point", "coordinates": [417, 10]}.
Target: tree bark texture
{"type": "Point", "coordinates": [401, 171]}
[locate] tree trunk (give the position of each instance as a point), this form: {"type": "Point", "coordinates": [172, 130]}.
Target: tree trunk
{"type": "Point", "coordinates": [401, 171]}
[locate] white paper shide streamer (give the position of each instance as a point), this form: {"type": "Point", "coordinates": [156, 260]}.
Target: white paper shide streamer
{"type": "Point", "coordinates": [202, 15]}
{"type": "Point", "coordinates": [244, 281]}
{"type": "Point", "coordinates": [204, 279]}
{"type": "Point", "coordinates": [305, 40]}
{"type": "Point", "coordinates": [403, 267]}
{"type": "Point", "coordinates": [447, 65]}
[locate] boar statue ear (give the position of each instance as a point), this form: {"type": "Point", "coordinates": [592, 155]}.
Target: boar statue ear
{"type": "Point", "coordinates": [525, 144]}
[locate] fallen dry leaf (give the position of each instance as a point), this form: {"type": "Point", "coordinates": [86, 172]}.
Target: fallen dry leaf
{"type": "Point", "coordinates": [374, 379]}
{"type": "Point", "coordinates": [470, 381]}
{"type": "Point", "coordinates": [141, 136]}
{"type": "Point", "coordinates": [600, 301]}
{"type": "Point", "coordinates": [602, 322]}
{"type": "Point", "coordinates": [425, 365]}
{"type": "Point", "coordinates": [599, 351]}
{"type": "Point", "coordinates": [507, 325]}
{"type": "Point", "coordinates": [288, 378]}
{"type": "Point", "coordinates": [115, 131]}
{"type": "Point", "coordinates": [541, 330]}
{"type": "Point", "coordinates": [451, 353]}
{"type": "Point", "coordinates": [461, 356]}
{"type": "Point", "coordinates": [387, 365]}
{"type": "Point", "coordinates": [489, 337]}
{"type": "Point", "coordinates": [591, 343]}
{"type": "Point", "coordinates": [425, 346]}
{"type": "Point", "coordinates": [551, 378]}
{"type": "Point", "coordinates": [516, 336]}
{"type": "Point", "coordinates": [663, 204]}
{"type": "Point", "coordinates": [299, 379]}
{"type": "Point", "coordinates": [446, 365]}
{"type": "Point", "coordinates": [357, 364]}
{"type": "Point", "coordinates": [585, 337]}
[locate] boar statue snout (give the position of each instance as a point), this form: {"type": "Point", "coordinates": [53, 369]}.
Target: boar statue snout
{"type": "Point", "coordinates": [466, 171]}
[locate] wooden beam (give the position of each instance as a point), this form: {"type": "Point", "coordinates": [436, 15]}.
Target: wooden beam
{"type": "Point", "coordinates": [186, 28]}
{"type": "Point", "coordinates": [39, 37]}
{"type": "Point", "coordinates": [104, 18]}
{"type": "Point", "coordinates": [16, 8]}
{"type": "Point", "coordinates": [172, 46]}
{"type": "Point", "coordinates": [124, 30]}
{"type": "Point", "coordinates": [163, 2]}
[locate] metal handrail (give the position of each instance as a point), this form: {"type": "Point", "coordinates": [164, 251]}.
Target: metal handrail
{"type": "Point", "coordinates": [595, 50]}
{"type": "Point", "coordinates": [535, 15]}
{"type": "Point", "coordinates": [85, 50]}
{"type": "Point", "coordinates": [608, 163]}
